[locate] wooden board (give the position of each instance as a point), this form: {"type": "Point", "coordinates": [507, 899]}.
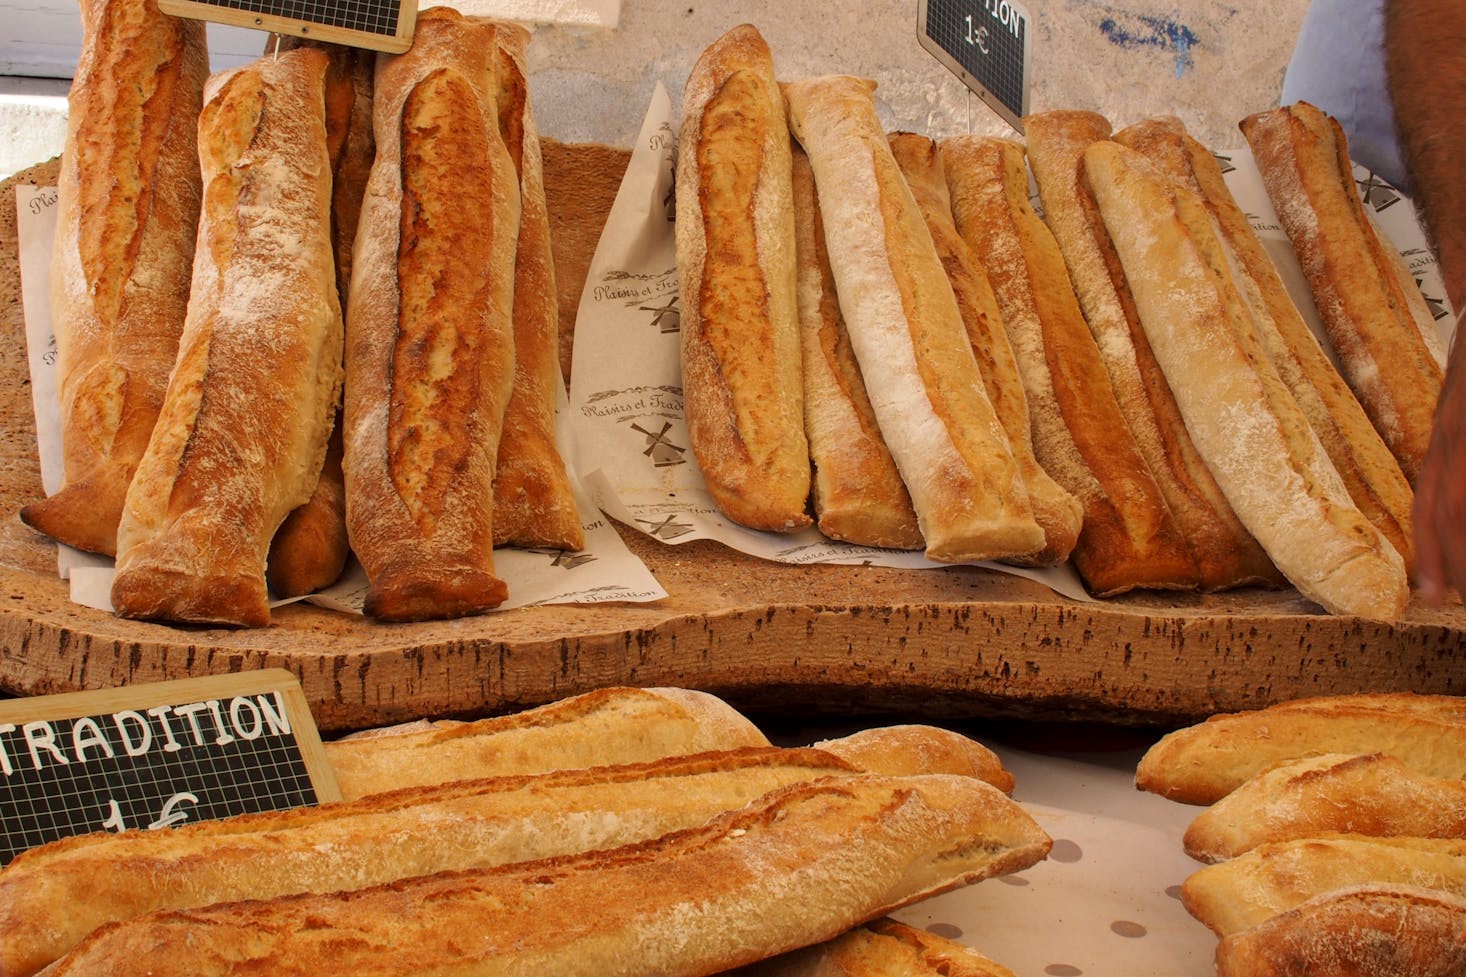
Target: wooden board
{"type": "Point", "coordinates": [954, 643]}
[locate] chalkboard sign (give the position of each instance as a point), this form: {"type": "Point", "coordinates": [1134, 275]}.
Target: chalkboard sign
{"type": "Point", "coordinates": [152, 756]}
{"type": "Point", "coordinates": [382, 25]}
{"type": "Point", "coordinates": [986, 43]}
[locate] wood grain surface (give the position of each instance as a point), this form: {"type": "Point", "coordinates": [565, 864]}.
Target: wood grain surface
{"type": "Point", "coordinates": [958, 643]}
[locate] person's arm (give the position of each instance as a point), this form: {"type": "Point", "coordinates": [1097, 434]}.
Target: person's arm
{"type": "Point", "coordinates": [1425, 46]}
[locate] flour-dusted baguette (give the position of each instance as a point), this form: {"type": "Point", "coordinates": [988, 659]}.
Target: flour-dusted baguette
{"type": "Point", "coordinates": [127, 211]}
{"type": "Point", "coordinates": [881, 948]}
{"type": "Point", "coordinates": [1368, 794]}
{"type": "Point", "coordinates": [1057, 512]}
{"type": "Point", "coordinates": [242, 434]}
{"type": "Point", "coordinates": [1361, 931]}
{"type": "Point", "coordinates": [1225, 553]}
{"type": "Point", "coordinates": [741, 385]}
{"type": "Point", "coordinates": [430, 344]}
{"type": "Point", "coordinates": [1241, 417]}
{"type": "Point", "coordinates": [802, 864]}
{"type": "Point", "coordinates": [1362, 459]}
{"type": "Point", "coordinates": [1202, 763]}
{"type": "Point", "coordinates": [1275, 877]}
{"type": "Point", "coordinates": [1128, 538]}
{"type": "Point", "coordinates": [858, 494]}
{"type": "Point", "coordinates": [907, 332]}
{"type": "Point", "coordinates": [534, 502]}
{"type": "Point", "coordinates": [913, 748]}
{"type": "Point", "coordinates": [1371, 309]}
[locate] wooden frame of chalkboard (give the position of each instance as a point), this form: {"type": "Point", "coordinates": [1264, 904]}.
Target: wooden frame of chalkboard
{"type": "Point", "coordinates": [156, 755]}
{"type": "Point", "coordinates": [988, 44]}
{"type": "Point", "coordinates": [381, 25]}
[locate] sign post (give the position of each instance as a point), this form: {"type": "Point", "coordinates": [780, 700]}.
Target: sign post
{"type": "Point", "coordinates": [987, 44]}
{"type": "Point", "coordinates": [381, 25]}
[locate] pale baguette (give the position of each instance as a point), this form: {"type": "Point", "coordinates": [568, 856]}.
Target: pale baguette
{"type": "Point", "coordinates": [881, 948]}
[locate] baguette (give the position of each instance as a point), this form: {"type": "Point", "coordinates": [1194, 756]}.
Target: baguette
{"type": "Point", "coordinates": [857, 490]}
{"type": "Point", "coordinates": [741, 385]}
{"type": "Point", "coordinates": [907, 333]}
{"type": "Point", "coordinates": [430, 349]}
{"type": "Point", "coordinates": [1057, 512]}
{"type": "Point", "coordinates": [1371, 310]}
{"type": "Point", "coordinates": [1273, 878]}
{"type": "Point", "coordinates": [1369, 794]}
{"type": "Point", "coordinates": [1128, 538]}
{"type": "Point", "coordinates": [1242, 418]}
{"type": "Point", "coordinates": [881, 948]}
{"type": "Point", "coordinates": [1362, 459]}
{"type": "Point", "coordinates": [128, 194]}
{"type": "Point", "coordinates": [908, 749]}
{"type": "Point", "coordinates": [242, 435]}
{"type": "Point", "coordinates": [803, 864]}
{"type": "Point", "coordinates": [1225, 553]}
{"type": "Point", "coordinates": [1202, 763]}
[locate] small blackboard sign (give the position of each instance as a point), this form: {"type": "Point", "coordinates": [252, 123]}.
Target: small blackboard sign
{"type": "Point", "coordinates": [987, 44]}
{"type": "Point", "coordinates": [156, 755]}
{"type": "Point", "coordinates": [381, 25]}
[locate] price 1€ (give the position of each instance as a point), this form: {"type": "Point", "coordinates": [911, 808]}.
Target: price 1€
{"type": "Point", "coordinates": [985, 43]}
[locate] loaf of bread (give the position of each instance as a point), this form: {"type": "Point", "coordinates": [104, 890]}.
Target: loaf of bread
{"type": "Point", "coordinates": [1371, 309]}
{"type": "Point", "coordinates": [743, 396]}
{"type": "Point", "coordinates": [1241, 416]}
{"type": "Point", "coordinates": [1057, 512]}
{"type": "Point", "coordinates": [1128, 539]}
{"type": "Point", "coordinates": [909, 748]}
{"type": "Point", "coordinates": [1275, 877]}
{"type": "Point", "coordinates": [430, 343]}
{"type": "Point", "coordinates": [128, 194]}
{"type": "Point", "coordinates": [1363, 931]}
{"type": "Point", "coordinates": [1225, 553]}
{"type": "Point", "coordinates": [907, 333]}
{"type": "Point", "coordinates": [1202, 763]}
{"type": "Point", "coordinates": [1362, 459]}
{"type": "Point", "coordinates": [1368, 794]}
{"type": "Point", "coordinates": [801, 865]}
{"type": "Point", "coordinates": [242, 434]}
{"type": "Point", "coordinates": [881, 948]}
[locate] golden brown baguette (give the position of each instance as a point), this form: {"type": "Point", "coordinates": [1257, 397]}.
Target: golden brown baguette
{"type": "Point", "coordinates": [1368, 794]}
{"type": "Point", "coordinates": [858, 494]}
{"type": "Point", "coordinates": [534, 503]}
{"type": "Point", "coordinates": [310, 548]}
{"type": "Point", "coordinates": [1372, 313]}
{"type": "Point", "coordinates": [851, 849]}
{"type": "Point", "coordinates": [1273, 878]}
{"type": "Point", "coordinates": [1128, 539]}
{"type": "Point", "coordinates": [127, 211]}
{"type": "Point", "coordinates": [1202, 763]}
{"type": "Point", "coordinates": [881, 948]}
{"type": "Point", "coordinates": [430, 345]}
{"type": "Point", "coordinates": [741, 385]}
{"type": "Point", "coordinates": [1363, 931]}
{"type": "Point", "coordinates": [1057, 512]}
{"type": "Point", "coordinates": [909, 748]}
{"type": "Point", "coordinates": [1242, 418]}
{"type": "Point", "coordinates": [1362, 459]}
{"type": "Point", "coordinates": [242, 434]}
{"type": "Point", "coordinates": [907, 332]}
{"type": "Point", "coordinates": [1225, 553]}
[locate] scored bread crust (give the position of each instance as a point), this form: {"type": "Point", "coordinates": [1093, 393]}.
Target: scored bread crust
{"type": "Point", "coordinates": [883, 947]}
{"type": "Point", "coordinates": [128, 193]}
{"type": "Point", "coordinates": [741, 372]}
{"type": "Point", "coordinates": [250, 404]}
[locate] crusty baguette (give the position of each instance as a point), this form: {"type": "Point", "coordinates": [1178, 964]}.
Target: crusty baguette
{"type": "Point", "coordinates": [242, 435]}
{"type": "Point", "coordinates": [1128, 539]}
{"type": "Point", "coordinates": [309, 550]}
{"type": "Point", "coordinates": [1241, 416]}
{"type": "Point", "coordinates": [741, 385]}
{"type": "Point", "coordinates": [1362, 459]}
{"type": "Point", "coordinates": [534, 502]}
{"type": "Point", "coordinates": [881, 948]}
{"type": "Point", "coordinates": [430, 345]}
{"type": "Point", "coordinates": [1225, 553]}
{"type": "Point", "coordinates": [909, 748]}
{"type": "Point", "coordinates": [1202, 763]}
{"type": "Point", "coordinates": [858, 494]}
{"type": "Point", "coordinates": [1057, 512]}
{"type": "Point", "coordinates": [1373, 314]}
{"type": "Point", "coordinates": [907, 332]}
{"type": "Point", "coordinates": [1361, 931]}
{"type": "Point", "coordinates": [1369, 794]}
{"type": "Point", "coordinates": [802, 864]}
{"type": "Point", "coordinates": [1273, 878]}
{"type": "Point", "coordinates": [128, 194]}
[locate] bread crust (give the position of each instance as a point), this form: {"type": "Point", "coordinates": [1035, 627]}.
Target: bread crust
{"type": "Point", "coordinates": [881, 948]}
